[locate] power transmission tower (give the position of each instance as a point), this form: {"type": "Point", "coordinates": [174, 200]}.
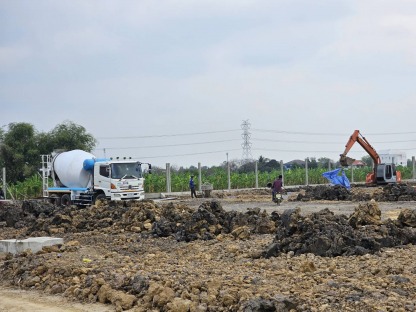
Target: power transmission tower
{"type": "Point", "coordinates": [246, 142]}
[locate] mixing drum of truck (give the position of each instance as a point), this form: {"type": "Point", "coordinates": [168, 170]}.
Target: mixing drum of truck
{"type": "Point", "coordinates": [383, 173]}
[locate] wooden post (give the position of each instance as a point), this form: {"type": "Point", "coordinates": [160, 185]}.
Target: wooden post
{"type": "Point", "coordinates": [168, 185]}
{"type": "Point", "coordinates": [199, 177]}
{"type": "Point", "coordinates": [5, 186]}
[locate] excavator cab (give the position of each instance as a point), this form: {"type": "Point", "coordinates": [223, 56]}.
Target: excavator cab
{"type": "Point", "coordinates": [387, 173]}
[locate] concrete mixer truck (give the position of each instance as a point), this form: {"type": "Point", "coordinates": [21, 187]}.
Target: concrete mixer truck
{"type": "Point", "coordinates": [80, 178]}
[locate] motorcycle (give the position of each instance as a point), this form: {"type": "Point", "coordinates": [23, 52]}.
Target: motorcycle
{"type": "Point", "coordinates": [278, 197]}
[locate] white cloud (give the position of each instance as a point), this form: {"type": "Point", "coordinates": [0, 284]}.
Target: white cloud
{"type": "Point", "coordinates": [12, 55]}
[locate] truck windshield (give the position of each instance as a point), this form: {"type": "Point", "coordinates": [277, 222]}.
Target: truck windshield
{"type": "Point", "coordinates": [126, 171]}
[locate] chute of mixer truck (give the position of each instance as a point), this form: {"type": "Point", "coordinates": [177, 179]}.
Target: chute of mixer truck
{"type": "Point", "coordinates": [79, 178]}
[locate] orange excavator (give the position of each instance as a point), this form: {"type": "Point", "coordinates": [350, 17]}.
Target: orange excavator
{"type": "Point", "coordinates": [383, 173]}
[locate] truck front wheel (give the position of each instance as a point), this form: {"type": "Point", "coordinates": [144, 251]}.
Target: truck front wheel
{"type": "Point", "coordinates": [65, 200]}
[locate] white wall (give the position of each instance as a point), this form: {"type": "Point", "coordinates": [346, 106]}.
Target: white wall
{"type": "Point", "coordinates": [395, 156]}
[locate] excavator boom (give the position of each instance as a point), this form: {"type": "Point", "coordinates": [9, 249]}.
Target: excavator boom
{"type": "Point", "coordinates": [357, 137]}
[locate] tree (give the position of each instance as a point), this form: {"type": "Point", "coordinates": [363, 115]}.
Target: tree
{"type": "Point", "coordinates": [21, 146]}
{"type": "Point", "coordinates": [323, 162]}
{"type": "Point", "coordinates": [19, 151]}
{"type": "Point", "coordinates": [69, 136]}
{"type": "Point", "coordinates": [367, 160]}
{"type": "Point", "coordinates": [312, 163]}
{"type": "Point", "coordinates": [263, 160]}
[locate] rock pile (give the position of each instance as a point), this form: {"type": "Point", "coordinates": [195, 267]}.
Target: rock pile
{"type": "Point", "coordinates": [176, 220]}
{"type": "Point", "coordinates": [145, 256]}
{"type": "Point", "coordinates": [326, 234]}
{"type": "Point", "coordinates": [324, 192]}
{"type": "Point", "coordinates": [396, 192]}
{"type": "Point", "coordinates": [390, 192]}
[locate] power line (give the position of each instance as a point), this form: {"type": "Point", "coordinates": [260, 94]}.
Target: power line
{"type": "Point", "coordinates": [328, 134]}
{"type": "Point", "coordinates": [167, 145]}
{"type": "Point", "coordinates": [190, 154]}
{"type": "Point", "coordinates": [303, 151]}
{"type": "Point", "coordinates": [320, 142]}
{"type": "Point", "coordinates": [165, 135]}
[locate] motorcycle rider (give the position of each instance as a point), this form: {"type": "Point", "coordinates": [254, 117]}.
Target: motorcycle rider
{"type": "Point", "coordinates": [277, 187]}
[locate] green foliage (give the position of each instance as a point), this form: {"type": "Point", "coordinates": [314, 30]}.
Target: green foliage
{"type": "Point", "coordinates": [21, 146]}
{"type": "Point", "coordinates": [29, 188]}
{"type": "Point", "coordinates": [406, 172]}
{"type": "Point", "coordinates": [18, 151]}
{"type": "Point", "coordinates": [69, 136]}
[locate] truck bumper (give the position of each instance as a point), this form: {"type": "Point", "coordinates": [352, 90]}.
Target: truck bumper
{"type": "Point", "coordinates": [127, 196]}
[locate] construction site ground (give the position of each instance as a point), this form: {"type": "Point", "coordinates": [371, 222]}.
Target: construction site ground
{"type": "Point", "coordinates": [208, 254]}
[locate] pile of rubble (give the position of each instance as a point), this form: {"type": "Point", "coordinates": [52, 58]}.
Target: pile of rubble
{"type": "Point", "coordinates": [177, 220]}
{"type": "Point", "coordinates": [168, 257]}
{"type": "Point", "coordinates": [390, 192]}
{"type": "Point", "coordinates": [325, 234]}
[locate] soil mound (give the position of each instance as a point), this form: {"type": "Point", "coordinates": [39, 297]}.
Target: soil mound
{"type": "Point", "coordinates": [390, 192]}
{"type": "Point", "coordinates": [322, 233]}
{"type": "Point", "coordinates": [395, 192]}
{"type": "Point", "coordinates": [176, 220]}
{"type": "Point", "coordinates": [326, 234]}
{"type": "Point", "coordinates": [143, 256]}
{"type": "Point", "coordinates": [324, 192]}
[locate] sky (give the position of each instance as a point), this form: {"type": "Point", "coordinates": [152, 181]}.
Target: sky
{"type": "Point", "coordinates": [176, 81]}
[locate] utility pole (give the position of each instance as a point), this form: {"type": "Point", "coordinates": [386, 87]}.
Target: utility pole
{"type": "Point", "coordinates": [228, 174]}
{"type": "Point", "coordinates": [4, 183]}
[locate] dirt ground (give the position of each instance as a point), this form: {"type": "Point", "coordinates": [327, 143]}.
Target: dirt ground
{"type": "Point", "coordinates": [241, 203]}
{"type": "Point", "coordinates": [17, 300]}
{"type": "Point", "coordinates": [128, 269]}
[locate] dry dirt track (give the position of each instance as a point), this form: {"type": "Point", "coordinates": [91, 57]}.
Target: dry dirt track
{"type": "Point", "coordinates": [13, 300]}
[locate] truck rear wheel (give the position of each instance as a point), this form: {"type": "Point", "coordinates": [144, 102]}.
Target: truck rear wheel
{"type": "Point", "coordinates": [55, 200]}
{"type": "Point", "coordinates": [99, 197]}
{"type": "Point", "coordinates": [65, 200]}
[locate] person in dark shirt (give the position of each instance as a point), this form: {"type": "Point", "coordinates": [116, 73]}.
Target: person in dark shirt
{"type": "Point", "coordinates": [192, 187]}
{"type": "Point", "coordinates": [277, 187]}
{"type": "Point", "coordinates": [1, 193]}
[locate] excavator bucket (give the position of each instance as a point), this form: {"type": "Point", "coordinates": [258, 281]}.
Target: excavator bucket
{"type": "Point", "coordinates": [346, 161]}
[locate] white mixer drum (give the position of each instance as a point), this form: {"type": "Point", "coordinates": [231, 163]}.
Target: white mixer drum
{"type": "Point", "coordinates": [68, 167]}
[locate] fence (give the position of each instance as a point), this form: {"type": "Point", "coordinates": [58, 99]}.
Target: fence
{"type": "Point", "coordinates": [300, 176]}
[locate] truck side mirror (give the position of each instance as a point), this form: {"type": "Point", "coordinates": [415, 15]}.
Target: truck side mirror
{"type": "Point", "coordinates": [150, 168]}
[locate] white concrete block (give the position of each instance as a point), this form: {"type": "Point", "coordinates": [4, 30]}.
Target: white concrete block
{"type": "Point", "coordinates": [35, 244]}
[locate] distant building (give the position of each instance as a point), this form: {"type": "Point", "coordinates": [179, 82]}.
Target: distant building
{"type": "Point", "coordinates": [358, 164]}
{"type": "Point", "coordinates": [393, 156]}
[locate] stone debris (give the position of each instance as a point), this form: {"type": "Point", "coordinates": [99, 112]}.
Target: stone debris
{"type": "Point", "coordinates": [366, 214]}
{"type": "Point", "coordinates": [143, 256]}
{"type": "Point", "coordinates": [389, 192]}
{"type": "Point", "coordinates": [325, 234]}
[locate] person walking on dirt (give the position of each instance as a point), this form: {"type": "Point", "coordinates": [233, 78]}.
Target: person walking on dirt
{"type": "Point", "coordinates": [192, 187]}
{"type": "Point", "coordinates": [277, 187]}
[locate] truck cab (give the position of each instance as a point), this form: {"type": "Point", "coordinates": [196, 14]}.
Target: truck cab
{"type": "Point", "coordinates": [119, 180]}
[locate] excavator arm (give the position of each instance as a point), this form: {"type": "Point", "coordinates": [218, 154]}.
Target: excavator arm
{"type": "Point", "coordinates": [357, 137]}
